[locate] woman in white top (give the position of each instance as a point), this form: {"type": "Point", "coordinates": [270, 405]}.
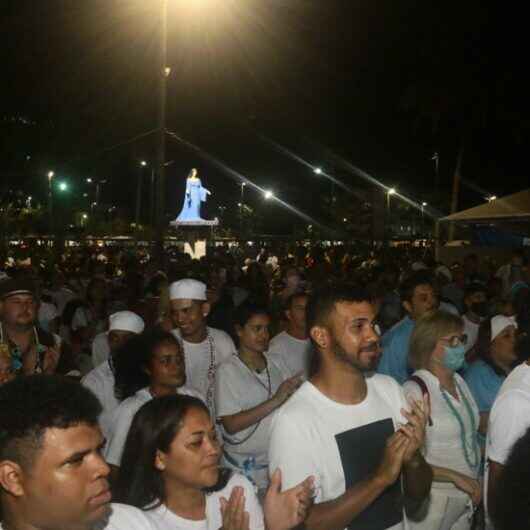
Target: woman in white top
{"type": "Point", "coordinates": [172, 460]}
{"type": "Point", "coordinates": [437, 352]}
{"type": "Point", "coordinates": [249, 387]}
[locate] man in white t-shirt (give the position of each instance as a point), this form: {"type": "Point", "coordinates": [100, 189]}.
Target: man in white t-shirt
{"type": "Point", "coordinates": [291, 349]}
{"type": "Point", "coordinates": [509, 420]}
{"type": "Point", "coordinates": [52, 474]}
{"type": "Point", "coordinates": [123, 325]}
{"type": "Point", "coordinates": [345, 428]}
{"type": "Point", "coordinates": [476, 310]}
{"type": "Point", "coordinates": [205, 348]}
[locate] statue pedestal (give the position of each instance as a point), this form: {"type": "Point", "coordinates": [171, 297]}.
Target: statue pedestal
{"type": "Point", "coordinates": [201, 222]}
{"type": "Point", "coordinates": [195, 235]}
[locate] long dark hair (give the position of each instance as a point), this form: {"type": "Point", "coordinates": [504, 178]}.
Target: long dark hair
{"type": "Point", "coordinates": [153, 429]}
{"type": "Point", "coordinates": [131, 360]}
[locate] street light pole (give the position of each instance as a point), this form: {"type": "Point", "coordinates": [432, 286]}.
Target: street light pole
{"type": "Point", "coordinates": [163, 72]}
{"type": "Point", "coordinates": [143, 163]}
{"type": "Point", "coordinates": [50, 199]}
{"type": "Point", "coordinates": [241, 205]}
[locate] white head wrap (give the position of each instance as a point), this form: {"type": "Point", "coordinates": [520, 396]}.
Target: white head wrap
{"type": "Point", "coordinates": [499, 323]}
{"type": "Point", "coordinates": [126, 321]}
{"type": "Point", "coordinates": [187, 290]}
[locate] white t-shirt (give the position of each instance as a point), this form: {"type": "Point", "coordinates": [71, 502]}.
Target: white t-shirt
{"type": "Point", "coordinates": [443, 439]}
{"type": "Point", "coordinates": [509, 418]}
{"type": "Point", "coordinates": [237, 388]}
{"type": "Point", "coordinates": [101, 381]}
{"type": "Point", "coordinates": [164, 519]}
{"type": "Point", "coordinates": [290, 354]}
{"type": "Point", "coordinates": [100, 348]}
{"type": "Point", "coordinates": [340, 445]}
{"type": "Point", "coordinates": [197, 359]}
{"type": "Point", "coordinates": [123, 517]}
{"type": "Point", "coordinates": [123, 416]}
{"type": "Point", "coordinates": [471, 331]}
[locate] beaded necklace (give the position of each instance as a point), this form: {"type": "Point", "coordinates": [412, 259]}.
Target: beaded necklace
{"type": "Point", "coordinates": [17, 355]}
{"type": "Point", "coordinates": [475, 462]}
{"type": "Point", "coordinates": [211, 374]}
{"type": "Point", "coordinates": [268, 388]}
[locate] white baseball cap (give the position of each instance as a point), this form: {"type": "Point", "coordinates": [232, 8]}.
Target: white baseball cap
{"type": "Point", "coordinates": [499, 323]}
{"type": "Point", "coordinates": [126, 321]}
{"type": "Point", "coordinates": [187, 290]}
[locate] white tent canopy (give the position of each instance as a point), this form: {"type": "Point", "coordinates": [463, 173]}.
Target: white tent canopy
{"type": "Point", "coordinates": [510, 208]}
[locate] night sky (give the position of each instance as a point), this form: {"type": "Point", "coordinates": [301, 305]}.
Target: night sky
{"type": "Point", "coordinates": [379, 84]}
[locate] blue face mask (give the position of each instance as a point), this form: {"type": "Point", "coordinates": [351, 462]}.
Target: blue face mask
{"type": "Point", "coordinates": [454, 357]}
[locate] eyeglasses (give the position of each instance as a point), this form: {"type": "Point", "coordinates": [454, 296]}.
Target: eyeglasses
{"type": "Point", "coordinates": [455, 340]}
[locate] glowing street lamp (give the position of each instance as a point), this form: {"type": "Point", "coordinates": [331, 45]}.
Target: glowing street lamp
{"type": "Point", "coordinates": [63, 186]}
{"type": "Point", "coordinates": [268, 194]}
{"type": "Point", "coordinates": [317, 171]}
{"type": "Point", "coordinates": [50, 175]}
{"type": "Point", "coordinates": [89, 180]}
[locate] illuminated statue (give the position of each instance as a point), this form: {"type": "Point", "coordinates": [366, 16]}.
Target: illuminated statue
{"type": "Point", "coordinates": [195, 194]}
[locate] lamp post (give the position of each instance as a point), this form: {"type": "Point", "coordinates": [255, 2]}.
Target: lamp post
{"type": "Point", "coordinates": [423, 204]}
{"type": "Point", "coordinates": [240, 204]}
{"type": "Point", "coordinates": [51, 174]}
{"type": "Point", "coordinates": [163, 73]}
{"type": "Point", "coordinates": [138, 209]}
{"type": "Point", "coordinates": [390, 191]}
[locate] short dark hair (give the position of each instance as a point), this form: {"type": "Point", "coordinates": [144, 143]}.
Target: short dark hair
{"type": "Point", "coordinates": [511, 505]}
{"type": "Point", "coordinates": [153, 429]}
{"type": "Point", "coordinates": [475, 287]}
{"type": "Point", "coordinates": [320, 306]}
{"type": "Point", "coordinates": [131, 359]}
{"type": "Point", "coordinates": [409, 284]}
{"type": "Point", "coordinates": [247, 310]}
{"type": "Point", "coordinates": [291, 298]}
{"type": "Point", "coordinates": [29, 405]}
{"type": "Point", "coordinates": [323, 301]}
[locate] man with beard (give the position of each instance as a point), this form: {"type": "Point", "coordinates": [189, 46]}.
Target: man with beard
{"type": "Point", "coordinates": [350, 431]}
{"type": "Point", "coordinates": [52, 474]}
{"type": "Point", "coordinates": [29, 348]}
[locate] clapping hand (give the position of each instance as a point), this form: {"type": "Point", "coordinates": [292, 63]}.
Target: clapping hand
{"type": "Point", "coordinates": [290, 508]}
{"type": "Point", "coordinates": [414, 430]}
{"type": "Point", "coordinates": [287, 388]}
{"type": "Point", "coordinates": [233, 511]}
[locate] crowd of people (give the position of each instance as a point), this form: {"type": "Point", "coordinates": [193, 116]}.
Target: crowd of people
{"type": "Point", "coordinates": [325, 388]}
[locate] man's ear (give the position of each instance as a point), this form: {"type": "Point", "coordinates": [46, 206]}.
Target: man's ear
{"type": "Point", "coordinates": [320, 336]}
{"type": "Point", "coordinates": [407, 306]}
{"type": "Point", "coordinates": [11, 478]}
{"type": "Point", "coordinates": [205, 309]}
